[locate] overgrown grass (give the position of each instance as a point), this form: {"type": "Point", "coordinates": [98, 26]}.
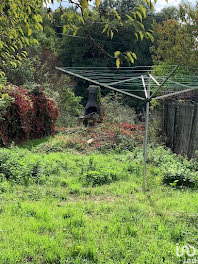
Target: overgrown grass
{"type": "Point", "coordinates": [67, 207]}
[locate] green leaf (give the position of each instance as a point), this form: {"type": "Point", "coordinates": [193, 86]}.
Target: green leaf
{"type": "Point", "coordinates": [29, 10]}
{"type": "Point", "coordinates": [75, 30]}
{"type": "Point", "coordinates": [38, 18]}
{"type": "Point", "coordinates": [35, 41]}
{"type": "Point", "coordinates": [19, 57]}
{"type": "Point", "coordinates": [14, 64]}
{"type": "Point", "coordinates": [150, 36]}
{"type": "Point", "coordinates": [118, 17]}
{"type": "Point", "coordinates": [150, 5]}
{"type": "Point", "coordinates": [143, 10]}
{"type": "Point", "coordinates": [139, 15]}
{"type": "Point", "coordinates": [98, 3]}
{"type": "Point", "coordinates": [141, 35]}
{"type": "Point", "coordinates": [24, 53]}
{"type": "Point", "coordinates": [118, 63]}
{"type": "Point", "coordinates": [29, 30]}
{"type": "Point", "coordinates": [20, 43]}
{"type": "Point", "coordinates": [129, 17]}
{"type": "Point", "coordinates": [117, 53]}
{"type": "Point", "coordinates": [39, 27]}
{"type": "Point", "coordinates": [105, 28]}
{"type": "Point", "coordinates": [140, 24]}
{"type": "Point", "coordinates": [13, 49]}
{"type": "Point", "coordinates": [134, 55]}
{"type": "Point", "coordinates": [112, 34]}
{"type": "Point", "coordinates": [134, 14]}
{"type": "Point", "coordinates": [172, 184]}
{"type": "Point", "coordinates": [64, 29]}
{"type": "Point", "coordinates": [84, 4]}
{"type": "Point", "coordinates": [80, 18]}
{"type": "Point", "coordinates": [130, 57]}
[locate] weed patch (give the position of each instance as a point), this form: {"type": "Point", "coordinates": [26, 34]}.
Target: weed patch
{"type": "Point", "coordinates": [68, 207]}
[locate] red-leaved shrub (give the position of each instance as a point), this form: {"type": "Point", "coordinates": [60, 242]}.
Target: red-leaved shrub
{"type": "Point", "coordinates": [30, 115]}
{"type": "Point", "coordinates": [45, 114]}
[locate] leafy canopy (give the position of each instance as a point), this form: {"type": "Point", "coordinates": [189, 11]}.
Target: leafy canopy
{"type": "Point", "coordinates": [112, 19]}
{"type": "Point", "coordinates": [19, 19]}
{"type": "Point", "coordinates": [176, 39]}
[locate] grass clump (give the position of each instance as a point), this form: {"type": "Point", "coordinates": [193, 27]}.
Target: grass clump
{"type": "Point", "coordinates": [96, 174]}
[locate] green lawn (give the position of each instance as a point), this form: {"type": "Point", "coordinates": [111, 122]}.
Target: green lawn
{"type": "Point", "coordinates": [67, 207]}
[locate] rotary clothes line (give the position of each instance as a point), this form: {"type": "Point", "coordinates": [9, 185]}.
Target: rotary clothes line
{"type": "Point", "coordinates": [121, 80]}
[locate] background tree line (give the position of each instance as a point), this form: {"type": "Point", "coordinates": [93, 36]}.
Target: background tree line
{"type": "Point", "coordinates": [66, 38]}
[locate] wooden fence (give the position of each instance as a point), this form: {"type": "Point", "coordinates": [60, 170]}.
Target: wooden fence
{"type": "Point", "coordinates": [181, 127]}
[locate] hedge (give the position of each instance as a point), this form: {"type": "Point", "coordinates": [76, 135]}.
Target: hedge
{"type": "Point", "coordinates": [28, 115]}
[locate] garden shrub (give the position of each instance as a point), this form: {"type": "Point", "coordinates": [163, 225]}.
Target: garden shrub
{"type": "Point", "coordinates": [45, 114]}
{"type": "Point", "coordinates": [180, 178]}
{"type": "Point", "coordinates": [69, 106]}
{"type": "Point", "coordinates": [15, 124]}
{"type": "Point", "coordinates": [60, 89]}
{"type": "Point", "coordinates": [176, 170]}
{"type": "Point", "coordinates": [47, 147]}
{"type": "Point", "coordinates": [27, 115]}
{"type": "Point", "coordinates": [115, 111]}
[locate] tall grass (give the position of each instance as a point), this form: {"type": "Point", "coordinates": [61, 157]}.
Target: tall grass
{"type": "Point", "coordinates": [67, 207]}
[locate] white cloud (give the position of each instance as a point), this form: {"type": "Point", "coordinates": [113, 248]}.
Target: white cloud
{"type": "Point", "coordinates": [159, 6]}
{"type": "Point", "coordinates": [163, 4]}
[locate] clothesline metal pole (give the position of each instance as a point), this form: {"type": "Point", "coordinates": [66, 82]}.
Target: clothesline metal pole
{"type": "Point", "coordinates": [98, 83]}
{"type": "Point", "coordinates": [145, 145]}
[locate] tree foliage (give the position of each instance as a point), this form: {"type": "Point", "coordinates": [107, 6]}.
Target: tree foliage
{"type": "Point", "coordinates": [108, 15]}
{"type": "Point", "coordinates": [92, 48]}
{"type": "Point", "coordinates": [176, 39]}
{"type": "Point", "coordinates": [123, 26]}
{"type": "Point", "coordinates": [17, 21]}
{"type": "Point", "coordinates": [20, 18]}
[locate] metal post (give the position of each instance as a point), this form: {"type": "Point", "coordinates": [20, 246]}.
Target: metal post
{"type": "Point", "coordinates": [145, 145]}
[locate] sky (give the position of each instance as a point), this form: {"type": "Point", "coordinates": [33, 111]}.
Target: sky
{"type": "Point", "coordinates": [159, 6]}
{"type": "Point", "coordinates": [162, 3]}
